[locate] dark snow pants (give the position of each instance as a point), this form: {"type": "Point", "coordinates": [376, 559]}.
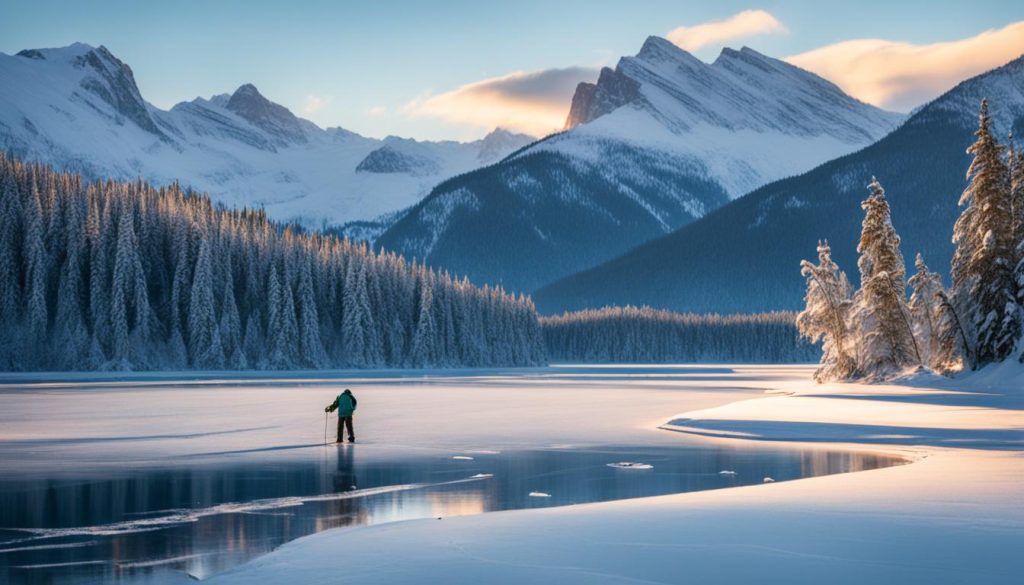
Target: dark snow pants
{"type": "Point", "coordinates": [344, 421]}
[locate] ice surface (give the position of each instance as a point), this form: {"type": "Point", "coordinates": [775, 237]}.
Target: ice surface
{"type": "Point", "coordinates": [895, 525]}
{"type": "Point", "coordinates": [828, 529]}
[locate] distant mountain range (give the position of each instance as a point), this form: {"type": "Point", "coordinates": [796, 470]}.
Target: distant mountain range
{"type": "Point", "coordinates": [745, 256]}
{"type": "Point", "coordinates": [658, 142]}
{"type": "Point", "coordinates": [78, 108]}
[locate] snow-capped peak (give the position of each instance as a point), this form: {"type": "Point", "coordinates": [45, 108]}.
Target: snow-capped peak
{"type": "Point", "coordinates": [100, 74]}
{"type": "Point", "coordinates": [500, 142]}
{"type": "Point", "coordinates": [740, 90]}
{"type": "Point", "coordinates": [78, 108]}
{"type": "Point", "coordinates": [59, 54]}
{"type": "Point", "coordinates": [659, 51]}
{"type": "Point", "coordinates": [275, 119]}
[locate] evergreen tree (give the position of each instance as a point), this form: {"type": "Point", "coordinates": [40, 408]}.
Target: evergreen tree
{"type": "Point", "coordinates": [879, 317]}
{"type": "Point", "coordinates": [423, 353]}
{"type": "Point", "coordinates": [35, 271]}
{"type": "Point", "coordinates": [204, 338]}
{"type": "Point", "coordinates": [101, 232]}
{"type": "Point", "coordinates": [311, 347]}
{"type": "Point", "coordinates": [361, 347]}
{"type": "Point", "coordinates": [825, 315]}
{"type": "Point", "coordinates": [983, 288]}
{"type": "Point", "coordinates": [10, 245]}
{"type": "Point", "coordinates": [181, 285]}
{"type": "Point", "coordinates": [925, 311]}
{"type": "Point", "coordinates": [230, 327]}
{"type": "Point", "coordinates": [120, 302]}
{"type": "Point", "coordinates": [253, 342]}
{"type": "Point", "coordinates": [659, 336]}
{"type": "Point", "coordinates": [281, 326]}
{"type": "Point", "coordinates": [951, 348]}
{"type": "Point", "coordinates": [121, 275]}
{"type": "Point", "coordinates": [1017, 213]}
{"type": "Point", "coordinates": [71, 334]}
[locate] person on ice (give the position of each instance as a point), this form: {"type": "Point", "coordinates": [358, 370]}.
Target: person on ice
{"type": "Point", "coordinates": [345, 404]}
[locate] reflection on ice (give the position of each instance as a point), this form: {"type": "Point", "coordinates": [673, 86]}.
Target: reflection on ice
{"type": "Point", "coordinates": [169, 523]}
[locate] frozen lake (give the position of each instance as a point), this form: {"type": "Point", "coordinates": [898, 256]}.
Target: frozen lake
{"type": "Point", "coordinates": [163, 479]}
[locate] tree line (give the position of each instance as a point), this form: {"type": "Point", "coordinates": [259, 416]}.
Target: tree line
{"type": "Point", "coordinates": [876, 331]}
{"type": "Point", "coordinates": [124, 276]}
{"type": "Point", "coordinates": [645, 335]}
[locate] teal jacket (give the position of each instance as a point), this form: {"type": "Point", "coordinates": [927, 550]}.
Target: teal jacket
{"type": "Point", "coordinates": [345, 404]}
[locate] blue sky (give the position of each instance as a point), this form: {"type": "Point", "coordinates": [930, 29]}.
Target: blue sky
{"type": "Point", "coordinates": [370, 66]}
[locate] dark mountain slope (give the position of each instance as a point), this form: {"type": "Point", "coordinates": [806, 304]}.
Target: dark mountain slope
{"type": "Point", "coordinates": [656, 143]}
{"type": "Point", "coordinates": [745, 256]}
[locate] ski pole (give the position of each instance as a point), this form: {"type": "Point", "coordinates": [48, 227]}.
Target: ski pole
{"type": "Point", "coordinates": [325, 428]}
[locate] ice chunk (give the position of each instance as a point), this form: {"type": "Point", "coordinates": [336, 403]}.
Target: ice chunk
{"type": "Point", "coordinates": [539, 495]}
{"type": "Point", "coordinates": [463, 458]}
{"type": "Point", "coordinates": [630, 465]}
{"type": "Point", "coordinates": [768, 480]}
{"type": "Point", "coordinates": [727, 472]}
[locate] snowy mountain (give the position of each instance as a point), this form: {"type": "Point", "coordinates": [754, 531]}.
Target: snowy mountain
{"type": "Point", "coordinates": [78, 108]}
{"type": "Point", "coordinates": [656, 143]}
{"type": "Point", "coordinates": [745, 256]}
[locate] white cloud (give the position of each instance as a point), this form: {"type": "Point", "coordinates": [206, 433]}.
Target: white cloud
{"type": "Point", "coordinates": [535, 102]}
{"type": "Point", "coordinates": [376, 111]}
{"type": "Point", "coordinates": [748, 23]}
{"type": "Point", "coordinates": [900, 75]}
{"type": "Point", "coordinates": [314, 103]}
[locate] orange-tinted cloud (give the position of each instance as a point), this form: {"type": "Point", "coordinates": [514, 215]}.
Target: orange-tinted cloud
{"type": "Point", "coordinates": [743, 25]}
{"type": "Point", "coordinates": [535, 102]}
{"type": "Point", "coordinates": [901, 76]}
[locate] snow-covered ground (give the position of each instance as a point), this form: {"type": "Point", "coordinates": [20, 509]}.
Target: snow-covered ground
{"type": "Point", "coordinates": [955, 515]}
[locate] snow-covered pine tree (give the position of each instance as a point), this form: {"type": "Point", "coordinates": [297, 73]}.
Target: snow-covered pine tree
{"type": "Point", "coordinates": [71, 335]}
{"type": "Point", "coordinates": [101, 233]}
{"type": "Point", "coordinates": [659, 336]}
{"type": "Point", "coordinates": [357, 318]}
{"type": "Point", "coordinates": [130, 310]}
{"type": "Point", "coordinates": [10, 246]}
{"type": "Point", "coordinates": [230, 326]}
{"type": "Point", "coordinates": [36, 264]}
{"type": "Point", "coordinates": [253, 344]}
{"type": "Point", "coordinates": [282, 330]}
{"type": "Point", "coordinates": [423, 352]}
{"type": "Point", "coordinates": [181, 283]}
{"type": "Point", "coordinates": [122, 293]}
{"type": "Point", "coordinates": [925, 310]}
{"type": "Point", "coordinates": [983, 288]}
{"type": "Point", "coordinates": [824, 318]}
{"type": "Point", "coordinates": [951, 348]}
{"type": "Point", "coordinates": [1017, 211]}
{"type": "Point", "coordinates": [204, 343]}
{"type": "Point", "coordinates": [310, 347]}
{"type": "Point", "coordinates": [879, 317]}
{"type": "Point", "coordinates": [123, 260]}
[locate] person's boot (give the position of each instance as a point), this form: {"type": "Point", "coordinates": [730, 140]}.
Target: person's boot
{"type": "Point", "coordinates": [351, 439]}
